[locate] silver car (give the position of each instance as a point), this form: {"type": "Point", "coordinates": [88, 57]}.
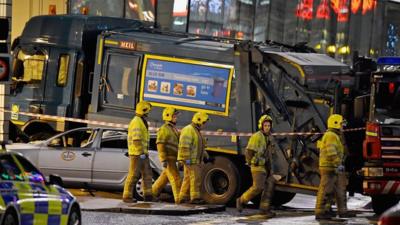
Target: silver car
{"type": "Point", "coordinates": [93, 158]}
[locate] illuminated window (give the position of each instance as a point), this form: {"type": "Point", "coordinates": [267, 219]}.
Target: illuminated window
{"type": "Point", "coordinates": [62, 75]}
{"type": "Point", "coordinates": [29, 67]}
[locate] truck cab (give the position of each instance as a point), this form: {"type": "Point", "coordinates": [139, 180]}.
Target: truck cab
{"type": "Point", "coordinates": [53, 65]}
{"type": "Point", "coordinates": [382, 144]}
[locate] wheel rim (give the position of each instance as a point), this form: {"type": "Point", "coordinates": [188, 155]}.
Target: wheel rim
{"type": "Point", "coordinates": [139, 189]}
{"type": "Point", "coordinates": [10, 220]}
{"type": "Point", "coordinates": [217, 182]}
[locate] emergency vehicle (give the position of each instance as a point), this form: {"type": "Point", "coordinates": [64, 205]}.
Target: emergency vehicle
{"type": "Point", "coordinates": [381, 150]}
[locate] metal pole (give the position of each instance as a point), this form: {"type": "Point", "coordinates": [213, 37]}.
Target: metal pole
{"type": "Point", "coordinates": [188, 17]}
{"type": "Point", "coordinates": [155, 14]}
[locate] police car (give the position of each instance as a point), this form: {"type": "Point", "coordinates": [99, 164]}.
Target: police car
{"type": "Point", "coordinates": [26, 197]}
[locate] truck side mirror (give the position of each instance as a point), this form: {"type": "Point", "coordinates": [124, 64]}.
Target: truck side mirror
{"type": "Point", "coordinates": [361, 107]}
{"type": "Point", "coordinates": [18, 68]}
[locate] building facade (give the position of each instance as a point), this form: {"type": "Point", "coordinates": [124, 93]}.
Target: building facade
{"type": "Point", "coordinates": [340, 28]}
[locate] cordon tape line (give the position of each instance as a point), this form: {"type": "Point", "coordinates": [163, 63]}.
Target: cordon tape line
{"type": "Point", "coordinates": [154, 129]}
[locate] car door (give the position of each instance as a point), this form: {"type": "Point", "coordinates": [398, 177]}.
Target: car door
{"type": "Point", "coordinates": [111, 162]}
{"type": "Point", "coordinates": [70, 155]}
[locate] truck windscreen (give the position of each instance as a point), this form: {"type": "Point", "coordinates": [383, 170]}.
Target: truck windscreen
{"type": "Point", "coordinates": [387, 99]}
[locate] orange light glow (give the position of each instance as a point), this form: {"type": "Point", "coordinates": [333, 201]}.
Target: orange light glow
{"type": "Point", "coordinates": [355, 5]}
{"type": "Point", "coordinates": [52, 10]}
{"type": "Point", "coordinates": [368, 5]}
{"type": "Point", "coordinates": [323, 10]}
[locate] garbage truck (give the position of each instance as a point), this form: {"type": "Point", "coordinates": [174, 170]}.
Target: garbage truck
{"type": "Point", "coordinates": [98, 71]}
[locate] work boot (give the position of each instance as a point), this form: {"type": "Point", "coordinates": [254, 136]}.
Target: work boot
{"type": "Point", "coordinates": [268, 213]}
{"type": "Point", "coordinates": [183, 201]}
{"type": "Point", "coordinates": [324, 216]}
{"type": "Point", "coordinates": [197, 201]}
{"type": "Point", "coordinates": [129, 200]}
{"type": "Point", "coordinates": [239, 205]}
{"type": "Point", "coordinates": [346, 214]}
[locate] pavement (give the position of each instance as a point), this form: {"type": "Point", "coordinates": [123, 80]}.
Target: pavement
{"type": "Point", "coordinates": [111, 202]}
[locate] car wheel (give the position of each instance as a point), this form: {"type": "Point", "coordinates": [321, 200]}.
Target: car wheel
{"type": "Point", "coordinates": [74, 217]}
{"type": "Point", "coordinates": [381, 203]}
{"type": "Point", "coordinates": [138, 189]}
{"type": "Point", "coordinates": [10, 218]}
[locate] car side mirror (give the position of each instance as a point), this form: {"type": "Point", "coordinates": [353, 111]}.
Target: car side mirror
{"type": "Point", "coordinates": [55, 179]}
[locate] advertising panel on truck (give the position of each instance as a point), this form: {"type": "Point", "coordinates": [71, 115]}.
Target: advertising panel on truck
{"type": "Point", "coordinates": [186, 84]}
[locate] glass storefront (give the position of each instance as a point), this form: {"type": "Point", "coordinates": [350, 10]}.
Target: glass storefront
{"type": "Point", "coordinates": [339, 28]}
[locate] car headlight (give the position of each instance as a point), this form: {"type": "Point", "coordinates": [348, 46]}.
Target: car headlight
{"type": "Point", "coordinates": [373, 171]}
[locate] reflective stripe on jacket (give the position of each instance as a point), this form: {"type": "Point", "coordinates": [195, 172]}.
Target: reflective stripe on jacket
{"type": "Point", "coordinates": [137, 131]}
{"type": "Point", "coordinates": [331, 150]}
{"type": "Point", "coordinates": [169, 136]}
{"type": "Point", "coordinates": [191, 145]}
{"type": "Point", "coordinates": [258, 143]}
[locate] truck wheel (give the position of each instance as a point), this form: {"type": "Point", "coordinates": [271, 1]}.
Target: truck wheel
{"type": "Point", "coordinates": [279, 198]}
{"type": "Point", "coordinates": [41, 136]}
{"type": "Point", "coordinates": [381, 203]}
{"type": "Point", "coordinates": [282, 197]}
{"type": "Point", "coordinates": [221, 181]}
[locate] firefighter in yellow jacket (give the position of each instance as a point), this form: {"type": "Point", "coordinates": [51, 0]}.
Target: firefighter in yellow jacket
{"type": "Point", "coordinates": [191, 153]}
{"type": "Point", "coordinates": [259, 152]}
{"type": "Point", "coordinates": [167, 146]}
{"type": "Point", "coordinates": [330, 164]}
{"type": "Point", "coordinates": [138, 143]}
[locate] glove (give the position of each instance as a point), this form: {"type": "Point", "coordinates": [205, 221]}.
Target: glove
{"type": "Point", "coordinates": [143, 156]}
{"type": "Point", "coordinates": [341, 168]}
{"type": "Point", "coordinates": [180, 165]}
{"type": "Point", "coordinates": [164, 164]}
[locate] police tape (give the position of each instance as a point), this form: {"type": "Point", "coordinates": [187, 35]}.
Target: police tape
{"type": "Point", "coordinates": [155, 129]}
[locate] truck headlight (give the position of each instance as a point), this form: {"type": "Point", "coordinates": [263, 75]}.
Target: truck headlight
{"type": "Point", "coordinates": [373, 171]}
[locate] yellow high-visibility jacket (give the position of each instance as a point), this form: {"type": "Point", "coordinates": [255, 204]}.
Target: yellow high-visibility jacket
{"type": "Point", "coordinates": [137, 131]}
{"type": "Point", "coordinates": [331, 150]}
{"type": "Point", "coordinates": [191, 145]}
{"type": "Point", "coordinates": [168, 135]}
{"type": "Point", "coordinates": [259, 144]}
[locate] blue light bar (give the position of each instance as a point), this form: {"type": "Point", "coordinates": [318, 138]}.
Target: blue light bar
{"type": "Point", "coordinates": [388, 61]}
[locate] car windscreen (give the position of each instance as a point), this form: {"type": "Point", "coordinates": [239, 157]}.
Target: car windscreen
{"type": "Point", "coordinates": [9, 170]}
{"type": "Point", "coordinates": [33, 174]}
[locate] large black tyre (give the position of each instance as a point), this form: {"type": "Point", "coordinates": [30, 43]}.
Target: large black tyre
{"type": "Point", "coordinates": [41, 136]}
{"type": "Point", "coordinates": [381, 203]}
{"type": "Point", "coordinates": [221, 181]}
{"type": "Point", "coordinates": [74, 217]}
{"type": "Point", "coordinates": [281, 198]}
{"type": "Point", "coordinates": [10, 218]}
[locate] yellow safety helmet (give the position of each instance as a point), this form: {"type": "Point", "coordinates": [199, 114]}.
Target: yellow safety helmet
{"type": "Point", "coordinates": [200, 118]}
{"type": "Point", "coordinates": [262, 120]}
{"type": "Point", "coordinates": [143, 108]}
{"type": "Point", "coordinates": [335, 121]}
{"type": "Point", "coordinates": [168, 113]}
